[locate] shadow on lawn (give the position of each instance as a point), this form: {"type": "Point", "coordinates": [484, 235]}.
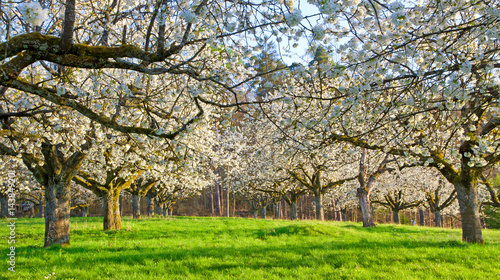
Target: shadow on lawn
{"type": "Point", "coordinates": [220, 258]}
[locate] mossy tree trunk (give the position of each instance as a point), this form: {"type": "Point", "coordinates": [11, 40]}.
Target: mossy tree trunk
{"type": "Point", "coordinates": [111, 207]}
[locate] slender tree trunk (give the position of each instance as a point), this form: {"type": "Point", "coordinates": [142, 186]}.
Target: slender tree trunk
{"type": "Point", "coordinates": [164, 208]}
{"type": "Point", "coordinates": [121, 204]}
{"type": "Point", "coordinates": [468, 200]}
{"type": "Point", "coordinates": [421, 217]}
{"type": "Point", "coordinates": [395, 217]}
{"type": "Point", "coordinates": [4, 212]}
{"type": "Point", "coordinates": [217, 200]}
{"type": "Point", "coordinates": [264, 212]}
{"type": "Point", "coordinates": [85, 210]}
{"type": "Point", "coordinates": [293, 210]}
{"type": "Point", "coordinates": [438, 219]}
{"type": "Point", "coordinates": [255, 213]}
{"type": "Point", "coordinates": [227, 203]}
{"type": "Point", "coordinates": [320, 210]}
{"type": "Point", "coordinates": [111, 205]}
{"type": "Point", "coordinates": [57, 213]}
{"type": "Point", "coordinates": [212, 200]}
{"type": "Point", "coordinates": [136, 206]}
{"type": "Point", "coordinates": [283, 206]}
{"type": "Point", "coordinates": [366, 209]}
{"type": "Point", "coordinates": [276, 210]}
{"type": "Point", "coordinates": [41, 210]}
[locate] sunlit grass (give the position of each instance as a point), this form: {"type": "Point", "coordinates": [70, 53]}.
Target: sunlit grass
{"type": "Point", "coordinates": [227, 248]}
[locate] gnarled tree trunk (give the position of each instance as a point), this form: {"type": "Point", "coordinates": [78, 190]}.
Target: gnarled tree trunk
{"type": "Point", "coordinates": [111, 205]}
{"type": "Point", "coordinates": [366, 209]}
{"type": "Point", "coordinates": [57, 212]}
{"type": "Point", "coordinates": [468, 200]}
{"type": "Point", "coordinates": [136, 206]}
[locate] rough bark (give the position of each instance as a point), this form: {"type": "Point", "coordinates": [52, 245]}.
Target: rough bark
{"type": "Point", "coordinates": [111, 205]}
{"type": "Point", "coordinates": [366, 209]}
{"type": "Point", "coordinates": [264, 212]}
{"type": "Point", "coordinates": [57, 213]}
{"type": "Point", "coordinates": [293, 211]}
{"type": "Point", "coordinates": [395, 217]}
{"type": "Point", "coordinates": [468, 199]}
{"type": "Point", "coordinates": [421, 215]}
{"type": "Point", "coordinates": [136, 206]}
{"type": "Point", "coordinates": [438, 219]}
{"type": "Point", "coordinates": [255, 213]}
{"type": "Point", "coordinates": [320, 210]}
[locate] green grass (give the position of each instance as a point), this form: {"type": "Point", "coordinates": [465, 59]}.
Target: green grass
{"type": "Point", "coordinates": [227, 248]}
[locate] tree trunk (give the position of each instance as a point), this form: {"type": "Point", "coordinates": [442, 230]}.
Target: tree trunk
{"type": "Point", "coordinates": [421, 216]}
{"type": "Point", "coordinates": [276, 210]}
{"type": "Point", "coordinates": [57, 213]}
{"type": "Point", "coordinates": [343, 214]}
{"type": "Point", "coordinates": [293, 210]}
{"type": "Point", "coordinates": [121, 204]}
{"type": "Point", "coordinates": [136, 206]}
{"type": "Point", "coordinates": [4, 212]}
{"type": "Point", "coordinates": [468, 200]}
{"type": "Point", "coordinates": [212, 200]}
{"type": "Point", "coordinates": [438, 219]}
{"type": "Point", "coordinates": [395, 217]}
{"type": "Point", "coordinates": [320, 210]}
{"type": "Point", "coordinates": [85, 210]}
{"type": "Point", "coordinates": [227, 204]}
{"type": "Point", "coordinates": [164, 209]}
{"type": "Point", "coordinates": [283, 206]}
{"type": "Point", "coordinates": [264, 212]}
{"type": "Point", "coordinates": [169, 211]}
{"type": "Point", "coordinates": [150, 206]}
{"type": "Point", "coordinates": [111, 205]}
{"type": "Point", "coordinates": [366, 209]}
{"type": "Point", "coordinates": [158, 209]}
{"type": "Point", "coordinates": [255, 213]}
{"type": "Point", "coordinates": [217, 200]}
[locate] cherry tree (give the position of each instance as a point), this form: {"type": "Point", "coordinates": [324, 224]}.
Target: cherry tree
{"type": "Point", "coordinates": [419, 81]}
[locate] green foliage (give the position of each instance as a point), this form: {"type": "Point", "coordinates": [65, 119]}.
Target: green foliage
{"type": "Point", "coordinates": [229, 248]}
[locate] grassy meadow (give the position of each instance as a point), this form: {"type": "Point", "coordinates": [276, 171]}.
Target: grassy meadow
{"type": "Point", "coordinates": [232, 248]}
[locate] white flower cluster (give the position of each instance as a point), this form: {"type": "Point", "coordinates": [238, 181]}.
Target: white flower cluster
{"type": "Point", "coordinates": [293, 19]}
{"type": "Point", "coordinates": [329, 8]}
{"type": "Point", "coordinates": [318, 32]}
{"type": "Point", "coordinates": [33, 13]}
{"type": "Point", "coordinates": [189, 16]}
